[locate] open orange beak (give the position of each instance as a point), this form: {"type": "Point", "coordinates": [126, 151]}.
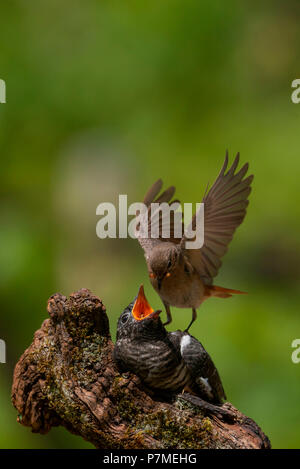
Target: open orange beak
{"type": "Point", "coordinates": [141, 308]}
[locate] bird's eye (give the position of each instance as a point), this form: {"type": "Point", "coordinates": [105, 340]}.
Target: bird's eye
{"type": "Point", "coordinates": [125, 318]}
{"type": "Point", "coordinates": [169, 264]}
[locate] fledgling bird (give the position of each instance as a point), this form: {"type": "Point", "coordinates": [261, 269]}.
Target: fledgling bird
{"type": "Point", "coordinates": [165, 361]}
{"type": "Point", "coordinates": [184, 277]}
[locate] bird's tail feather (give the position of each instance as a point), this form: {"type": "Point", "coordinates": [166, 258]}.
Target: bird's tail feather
{"type": "Point", "coordinates": [220, 292]}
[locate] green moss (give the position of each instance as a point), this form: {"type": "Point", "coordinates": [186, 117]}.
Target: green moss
{"type": "Point", "coordinates": [126, 407]}
{"type": "Point", "coordinates": [85, 352]}
{"type": "Point", "coordinates": [172, 432]}
{"type": "Point", "coordinates": [183, 404]}
{"type": "Point", "coordinates": [178, 433]}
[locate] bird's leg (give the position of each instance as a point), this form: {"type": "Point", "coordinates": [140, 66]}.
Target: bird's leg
{"type": "Point", "coordinates": [169, 316]}
{"type": "Point", "coordinates": [194, 317]}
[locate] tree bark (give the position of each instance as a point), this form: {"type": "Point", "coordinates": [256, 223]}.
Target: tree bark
{"type": "Point", "coordinates": [67, 377]}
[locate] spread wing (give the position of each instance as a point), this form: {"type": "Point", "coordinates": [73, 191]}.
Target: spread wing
{"type": "Point", "coordinates": [224, 210]}
{"type": "Point", "coordinates": [206, 379]}
{"type": "Point", "coordinates": [152, 220]}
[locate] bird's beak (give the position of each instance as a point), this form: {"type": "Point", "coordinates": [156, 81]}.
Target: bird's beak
{"type": "Point", "coordinates": [159, 280]}
{"type": "Point", "coordinates": [141, 308]}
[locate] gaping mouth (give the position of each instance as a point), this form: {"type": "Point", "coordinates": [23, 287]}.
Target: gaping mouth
{"type": "Point", "coordinates": [141, 308]}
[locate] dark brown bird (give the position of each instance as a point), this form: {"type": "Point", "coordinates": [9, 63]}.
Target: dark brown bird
{"type": "Point", "coordinates": [184, 277]}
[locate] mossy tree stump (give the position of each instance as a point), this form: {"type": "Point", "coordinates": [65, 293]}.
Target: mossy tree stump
{"type": "Point", "coordinates": [67, 377]}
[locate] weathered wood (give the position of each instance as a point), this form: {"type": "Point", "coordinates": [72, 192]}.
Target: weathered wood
{"type": "Point", "coordinates": [67, 377]}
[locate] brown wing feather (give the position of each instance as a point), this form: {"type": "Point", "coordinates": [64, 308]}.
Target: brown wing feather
{"type": "Point", "coordinates": [153, 192]}
{"type": "Point", "coordinates": [224, 210]}
{"type": "Point", "coordinates": [153, 196]}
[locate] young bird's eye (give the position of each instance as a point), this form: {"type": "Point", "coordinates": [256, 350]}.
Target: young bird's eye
{"type": "Point", "coordinates": [125, 318]}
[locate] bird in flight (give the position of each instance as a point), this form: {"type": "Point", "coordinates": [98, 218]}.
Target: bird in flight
{"type": "Point", "coordinates": [184, 277]}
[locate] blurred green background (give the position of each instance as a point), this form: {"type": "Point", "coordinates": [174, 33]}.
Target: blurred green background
{"type": "Point", "coordinates": [102, 99]}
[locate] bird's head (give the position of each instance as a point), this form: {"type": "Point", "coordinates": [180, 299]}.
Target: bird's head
{"type": "Point", "coordinates": [162, 262]}
{"type": "Point", "coordinates": [140, 320]}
